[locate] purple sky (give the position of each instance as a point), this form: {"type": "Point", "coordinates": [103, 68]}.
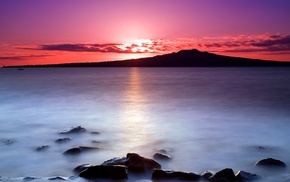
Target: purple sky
{"type": "Point", "coordinates": [53, 31]}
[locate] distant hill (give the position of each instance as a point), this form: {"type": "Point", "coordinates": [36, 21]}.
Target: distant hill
{"type": "Point", "coordinates": [184, 58]}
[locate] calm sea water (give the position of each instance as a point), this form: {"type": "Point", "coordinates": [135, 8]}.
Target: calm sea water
{"type": "Point", "coordinates": [206, 118]}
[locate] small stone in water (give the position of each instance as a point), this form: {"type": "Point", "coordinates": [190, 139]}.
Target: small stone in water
{"type": "Point", "coordinates": [42, 148]}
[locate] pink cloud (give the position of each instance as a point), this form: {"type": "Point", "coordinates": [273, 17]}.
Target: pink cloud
{"type": "Point", "coordinates": [240, 43]}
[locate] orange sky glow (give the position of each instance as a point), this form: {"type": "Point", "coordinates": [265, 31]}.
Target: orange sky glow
{"type": "Point", "coordinates": [50, 32]}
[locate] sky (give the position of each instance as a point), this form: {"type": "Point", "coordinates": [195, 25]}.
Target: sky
{"type": "Point", "coordinates": [63, 31]}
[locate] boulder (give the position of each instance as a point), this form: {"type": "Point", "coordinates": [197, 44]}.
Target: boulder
{"type": "Point", "coordinates": [62, 140]}
{"type": "Point", "coordinates": [134, 162]}
{"type": "Point", "coordinates": [95, 133]}
{"type": "Point", "coordinates": [161, 156]}
{"type": "Point", "coordinates": [225, 175]}
{"type": "Point", "coordinates": [107, 172]}
{"type": "Point", "coordinates": [78, 129]}
{"type": "Point", "coordinates": [243, 176]}
{"type": "Point", "coordinates": [137, 163]}
{"type": "Point", "coordinates": [116, 161]}
{"type": "Point", "coordinates": [159, 174]}
{"type": "Point", "coordinates": [270, 162]}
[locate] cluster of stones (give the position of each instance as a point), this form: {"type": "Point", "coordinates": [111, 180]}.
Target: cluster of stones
{"type": "Point", "coordinates": [74, 150]}
{"type": "Point", "coordinates": [118, 169]}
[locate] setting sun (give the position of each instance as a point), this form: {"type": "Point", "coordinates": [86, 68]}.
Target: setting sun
{"type": "Point", "coordinates": [138, 46]}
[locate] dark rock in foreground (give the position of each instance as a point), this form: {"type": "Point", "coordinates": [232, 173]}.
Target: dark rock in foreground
{"type": "Point", "coordinates": [161, 156]}
{"type": "Point", "coordinates": [243, 176]}
{"type": "Point", "coordinates": [225, 175]}
{"type": "Point", "coordinates": [159, 174]}
{"type": "Point", "coordinates": [135, 163]}
{"type": "Point", "coordinates": [78, 150]}
{"type": "Point", "coordinates": [270, 162]}
{"type": "Point", "coordinates": [138, 163]}
{"type": "Point", "coordinates": [78, 129]}
{"type": "Point", "coordinates": [116, 161]}
{"type": "Point", "coordinates": [108, 172]}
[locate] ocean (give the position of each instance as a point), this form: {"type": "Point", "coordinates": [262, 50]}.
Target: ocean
{"type": "Point", "coordinates": [205, 118]}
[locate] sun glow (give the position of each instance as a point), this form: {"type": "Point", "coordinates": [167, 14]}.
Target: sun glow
{"type": "Point", "coordinates": [138, 46]}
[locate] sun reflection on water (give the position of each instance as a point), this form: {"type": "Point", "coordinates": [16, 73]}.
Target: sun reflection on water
{"type": "Point", "coordinates": [134, 114]}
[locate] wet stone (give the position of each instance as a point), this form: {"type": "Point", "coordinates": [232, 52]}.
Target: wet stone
{"type": "Point", "coordinates": [8, 141]}
{"type": "Point", "coordinates": [58, 178]}
{"type": "Point", "coordinates": [225, 175]}
{"type": "Point", "coordinates": [42, 148]}
{"type": "Point", "coordinates": [243, 176]}
{"type": "Point", "coordinates": [270, 162]}
{"type": "Point", "coordinates": [161, 156]}
{"type": "Point", "coordinates": [137, 163]}
{"type": "Point", "coordinates": [29, 178]}
{"type": "Point", "coordinates": [116, 161]}
{"type": "Point", "coordinates": [62, 140]}
{"type": "Point", "coordinates": [72, 151]}
{"type": "Point", "coordinates": [78, 129]}
{"type": "Point", "coordinates": [78, 150]}
{"type": "Point", "coordinates": [159, 174]}
{"type": "Point", "coordinates": [206, 175]}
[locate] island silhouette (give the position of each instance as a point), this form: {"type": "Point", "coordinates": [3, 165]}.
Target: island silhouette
{"type": "Point", "coordinates": [183, 58]}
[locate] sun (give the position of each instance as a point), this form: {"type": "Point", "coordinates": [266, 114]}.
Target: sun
{"type": "Point", "coordinates": [134, 49]}
{"type": "Point", "coordinates": [138, 46]}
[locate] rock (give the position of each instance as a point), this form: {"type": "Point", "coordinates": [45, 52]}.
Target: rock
{"type": "Point", "coordinates": [58, 178]}
{"type": "Point", "coordinates": [261, 148]}
{"type": "Point", "coordinates": [29, 178]}
{"type": "Point", "coordinates": [81, 168]}
{"type": "Point", "coordinates": [8, 141]}
{"type": "Point", "coordinates": [108, 172]}
{"type": "Point", "coordinates": [164, 151]}
{"type": "Point", "coordinates": [225, 175]}
{"type": "Point", "coordinates": [138, 163]}
{"type": "Point", "coordinates": [159, 174]}
{"type": "Point", "coordinates": [134, 162]}
{"type": "Point", "coordinates": [62, 140]}
{"type": "Point", "coordinates": [243, 176]}
{"type": "Point", "coordinates": [116, 161]}
{"type": "Point", "coordinates": [73, 151]}
{"type": "Point", "coordinates": [42, 148]}
{"type": "Point", "coordinates": [160, 156]}
{"type": "Point", "coordinates": [78, 129]}
{"type": "Point", "coordinates": [78, 150]}
{"type": "Point", "coordinates": [95, 133]}
{"type": "Point", "coordinates": [206, 175]}
{"type": "Point", "coordinates": [270, 162]}
{"type": "Point", "coordinates": [96, 142]}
